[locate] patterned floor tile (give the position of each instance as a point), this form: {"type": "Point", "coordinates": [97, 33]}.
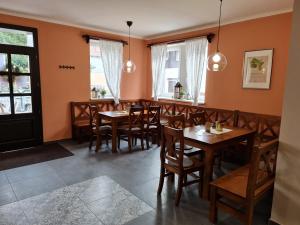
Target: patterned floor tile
{"type": "Point", "coordinates": [12, 214]}
{"type": "Point", "coordinates": [119, 209]}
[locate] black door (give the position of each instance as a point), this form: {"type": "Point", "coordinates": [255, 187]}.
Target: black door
{"type": "Point", "coordinates": [20, 96]}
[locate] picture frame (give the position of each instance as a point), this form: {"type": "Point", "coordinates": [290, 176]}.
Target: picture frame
{"type": "Point", "coordinates": [257, 69]}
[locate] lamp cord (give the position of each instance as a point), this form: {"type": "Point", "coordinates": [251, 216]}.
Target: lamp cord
{"type": "Point", "coordinates": [129, 42]}
{"type": "Point", "coordinates": [219, 28]}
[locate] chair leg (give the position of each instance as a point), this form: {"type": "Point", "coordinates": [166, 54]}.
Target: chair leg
{"type": "Point", "coordinates": [249, 213]}
{"type": "Point", "coordinates": [201, 174]}
{"type": "Point", "coordinates": [158, 138]}
{"type": "Point", "coordinates": [135, 141]}
{"type": "Point", "coordinates": [91, 142]}
{"type": "Point", "coordinates": [142, 141]}
{"type": "Point", "coordinates": [179, 189]}
{"type": "Point", "coordinates": [119, 141]}
{"type": "Point", "coordinates": [161, 180]}
{"type": "Point", "coordinates": [106, 139]}
{"type": "Point", "coordinates": [98, 142]}
{"type": "Point", "coordinates": [147, 139]}
{"type": "Point", "coordinates": [129, 143]}
{"type": "Point", "coordinates": [171, 177]}
{"type": "Point", "coordinates": [213, 213]}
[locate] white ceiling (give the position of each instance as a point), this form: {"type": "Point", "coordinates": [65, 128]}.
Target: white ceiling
{"type": "Point", "coordinates": [151, 17]}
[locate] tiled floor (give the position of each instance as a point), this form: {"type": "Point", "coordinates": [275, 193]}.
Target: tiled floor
{"type": "Point", "coordinates": [102, 188]}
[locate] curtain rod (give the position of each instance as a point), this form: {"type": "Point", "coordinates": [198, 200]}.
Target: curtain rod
{"type": "Point", "coordinates": [87, 38]}
{"type": "Point", "coordinates": [209, 37]}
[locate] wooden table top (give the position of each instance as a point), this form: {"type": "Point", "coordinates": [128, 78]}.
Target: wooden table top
{"type": "Point", "coordinates": [115, 114]}
{"type": "Point", "coordinates": [198, 134]}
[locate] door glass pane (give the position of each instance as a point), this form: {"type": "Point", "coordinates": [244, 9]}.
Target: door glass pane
{"type": "Point", "coordinates": [21, 84]}
{"type": "Point", "coordinates": [22, 104]}
{"type": "Point", "coordinates": [20, 63]}
{"type": "Point", "coordinates": [3, 62]}
{"type": "Point", "coordinates": [4, 85]}
{"type": "Point", "coordinates": [16, 37]}
{"type": "Point", "coordinates": [5, 105]}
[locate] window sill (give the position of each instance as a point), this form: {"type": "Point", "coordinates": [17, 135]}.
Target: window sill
{"type": "Point", "coordinates": [180, 100]}
{"type": "Point", "coordinates": [105, 98]}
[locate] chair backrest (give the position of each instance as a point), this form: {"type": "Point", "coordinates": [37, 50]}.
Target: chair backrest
{"type": "Point", "coordinates": [153, 116]}
{"type": "Point", "coordinates": [177, 121]}
{"type": "Point", "coordinates": [93, 110]}
{"type": "Point", "coordinates": [262, 167]}
{"type": "Point", "coordinates": [169, 152]}
{"type": "Point", "coordinates": [136, 117]}
{"type": "Point", "coordinates": [197, 118]}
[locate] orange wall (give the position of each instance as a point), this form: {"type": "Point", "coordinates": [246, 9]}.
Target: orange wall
{"type": "Point", "coordinates": [224, 89]}
{"type": "Point", "coordinates": [60, 44]}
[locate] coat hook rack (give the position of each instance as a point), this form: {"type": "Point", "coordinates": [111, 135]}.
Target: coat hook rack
{"type": "Point", "coordinates": [66, 67]}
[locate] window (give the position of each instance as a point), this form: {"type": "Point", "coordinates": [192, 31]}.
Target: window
{"type": "Point", "coordinates": [98, 85]}
{"type": "Point", "coordinates": [176, 72]}
{"type": "Point", "coordinates": [172, 70]}
{"type": "Point", "coordinates": [16, 37]}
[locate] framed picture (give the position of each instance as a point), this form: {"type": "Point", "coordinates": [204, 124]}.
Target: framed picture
{"type": "Point", "coordinates": [258, 69]}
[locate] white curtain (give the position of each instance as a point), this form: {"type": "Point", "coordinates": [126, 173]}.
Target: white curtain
{"type": "Point", "coordinates": [182, 68]}
{"type": "Point", "coordinates": [159, 57]}
{"type": "Point", "coordinates": [196, 55]}
{"type": "Point", "coordinates": [112, 58]}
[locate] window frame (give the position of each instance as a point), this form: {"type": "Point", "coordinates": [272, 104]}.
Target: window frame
{"type": "Point", "coordinates": [169, 96]}
{"type": "Point", "coordinates": [108, 94]}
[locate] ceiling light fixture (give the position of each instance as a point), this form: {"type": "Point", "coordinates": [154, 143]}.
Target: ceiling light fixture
{"type": "Point", "coordinates": [129, 66]}
{"type": "Point", "coordinates": [217, 61]}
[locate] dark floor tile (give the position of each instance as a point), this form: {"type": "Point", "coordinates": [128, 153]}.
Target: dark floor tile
{"type": "Point", "coordinates": [27, 172]}
{"type": "Point", "coordinates": [35, 186]}
{"type": "Point", "coordinates": [3, 179]}
{"type": "Point", "coordinates": [7, 195]}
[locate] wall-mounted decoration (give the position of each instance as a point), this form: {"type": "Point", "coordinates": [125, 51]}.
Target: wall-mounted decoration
{"type": "Point", "coordinates": [66, 67]}
{"type": "Point", "coordinates": [258, 69]}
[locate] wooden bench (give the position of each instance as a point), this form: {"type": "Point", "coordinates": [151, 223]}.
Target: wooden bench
{"type": "Point", "coordinates": [267, 126]}
{"type": "Point", "coordinates": [80, 115]}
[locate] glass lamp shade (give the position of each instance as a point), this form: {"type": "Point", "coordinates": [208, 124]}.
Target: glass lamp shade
{"type": "Point", "coordinates": [216, 62]}
{"type": "Point", "coordinates": [129, 66]}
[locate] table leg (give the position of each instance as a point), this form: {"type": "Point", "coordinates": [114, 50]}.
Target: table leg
{"type": "Point", "coordinates": [208, 171]}
{"type": "Point", "coordinates": [250, 144]}
{"type": "Point", "coordinates": [114, 137]}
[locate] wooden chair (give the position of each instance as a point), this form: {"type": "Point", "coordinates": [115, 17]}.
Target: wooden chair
{"type": "Point", "coordinates": [245, 186]}
{"type": "Point", "coordinates": [135, 128]}
{"type": "Point", "coordinates": [197, 118]}
{"type": "Point", "coordinates": [175, 162]}
{"type": "Point", "coordinates": [97, 129]}
{"type": "Point", "coordinates": [178, 122]}
{"type": "Point", "coordinates": [152, 126]}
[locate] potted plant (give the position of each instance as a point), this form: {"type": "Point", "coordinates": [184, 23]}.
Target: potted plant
{"type": "Point", "coordinates": [181, 94]}
{"type": "Point", "coordinates": [102, 92]}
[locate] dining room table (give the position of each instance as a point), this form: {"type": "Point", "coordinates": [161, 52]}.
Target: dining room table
{"type": "Point", "coordinates": [213, 141]}
{"type": "Point", "coordinates": [115, 118]}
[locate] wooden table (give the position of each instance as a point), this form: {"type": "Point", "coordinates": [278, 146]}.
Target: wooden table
{"type": "Point", "coordinates": [196, 137]}
{"type": "Point", "coordinates": [114, 117]}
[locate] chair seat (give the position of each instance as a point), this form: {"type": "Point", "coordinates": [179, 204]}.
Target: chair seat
{"type": "Point", "coordinates": [163, 121]}
{"type": "Point", "coordinates": [150, 127]}
{"type": "Point", "coordinates": [126, 128]}
{"type": "Point", "coordinates": [236, 182]}
{"type": "Point", "coordinates": [193, 152]}
{"type": "Point", "coordinates": [188, 162]}
{"type": "Point", "coordinates": [186, 147]}
{"type": "Point", "coordinates": [104, 128]}
{"type": "Point", "coordinates": [82, 123]}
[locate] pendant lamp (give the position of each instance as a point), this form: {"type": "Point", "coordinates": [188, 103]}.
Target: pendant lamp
{"type": "Point", "coordinates": [217, 61]}
{"type": "Point", "coordinates": [129, 66]}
